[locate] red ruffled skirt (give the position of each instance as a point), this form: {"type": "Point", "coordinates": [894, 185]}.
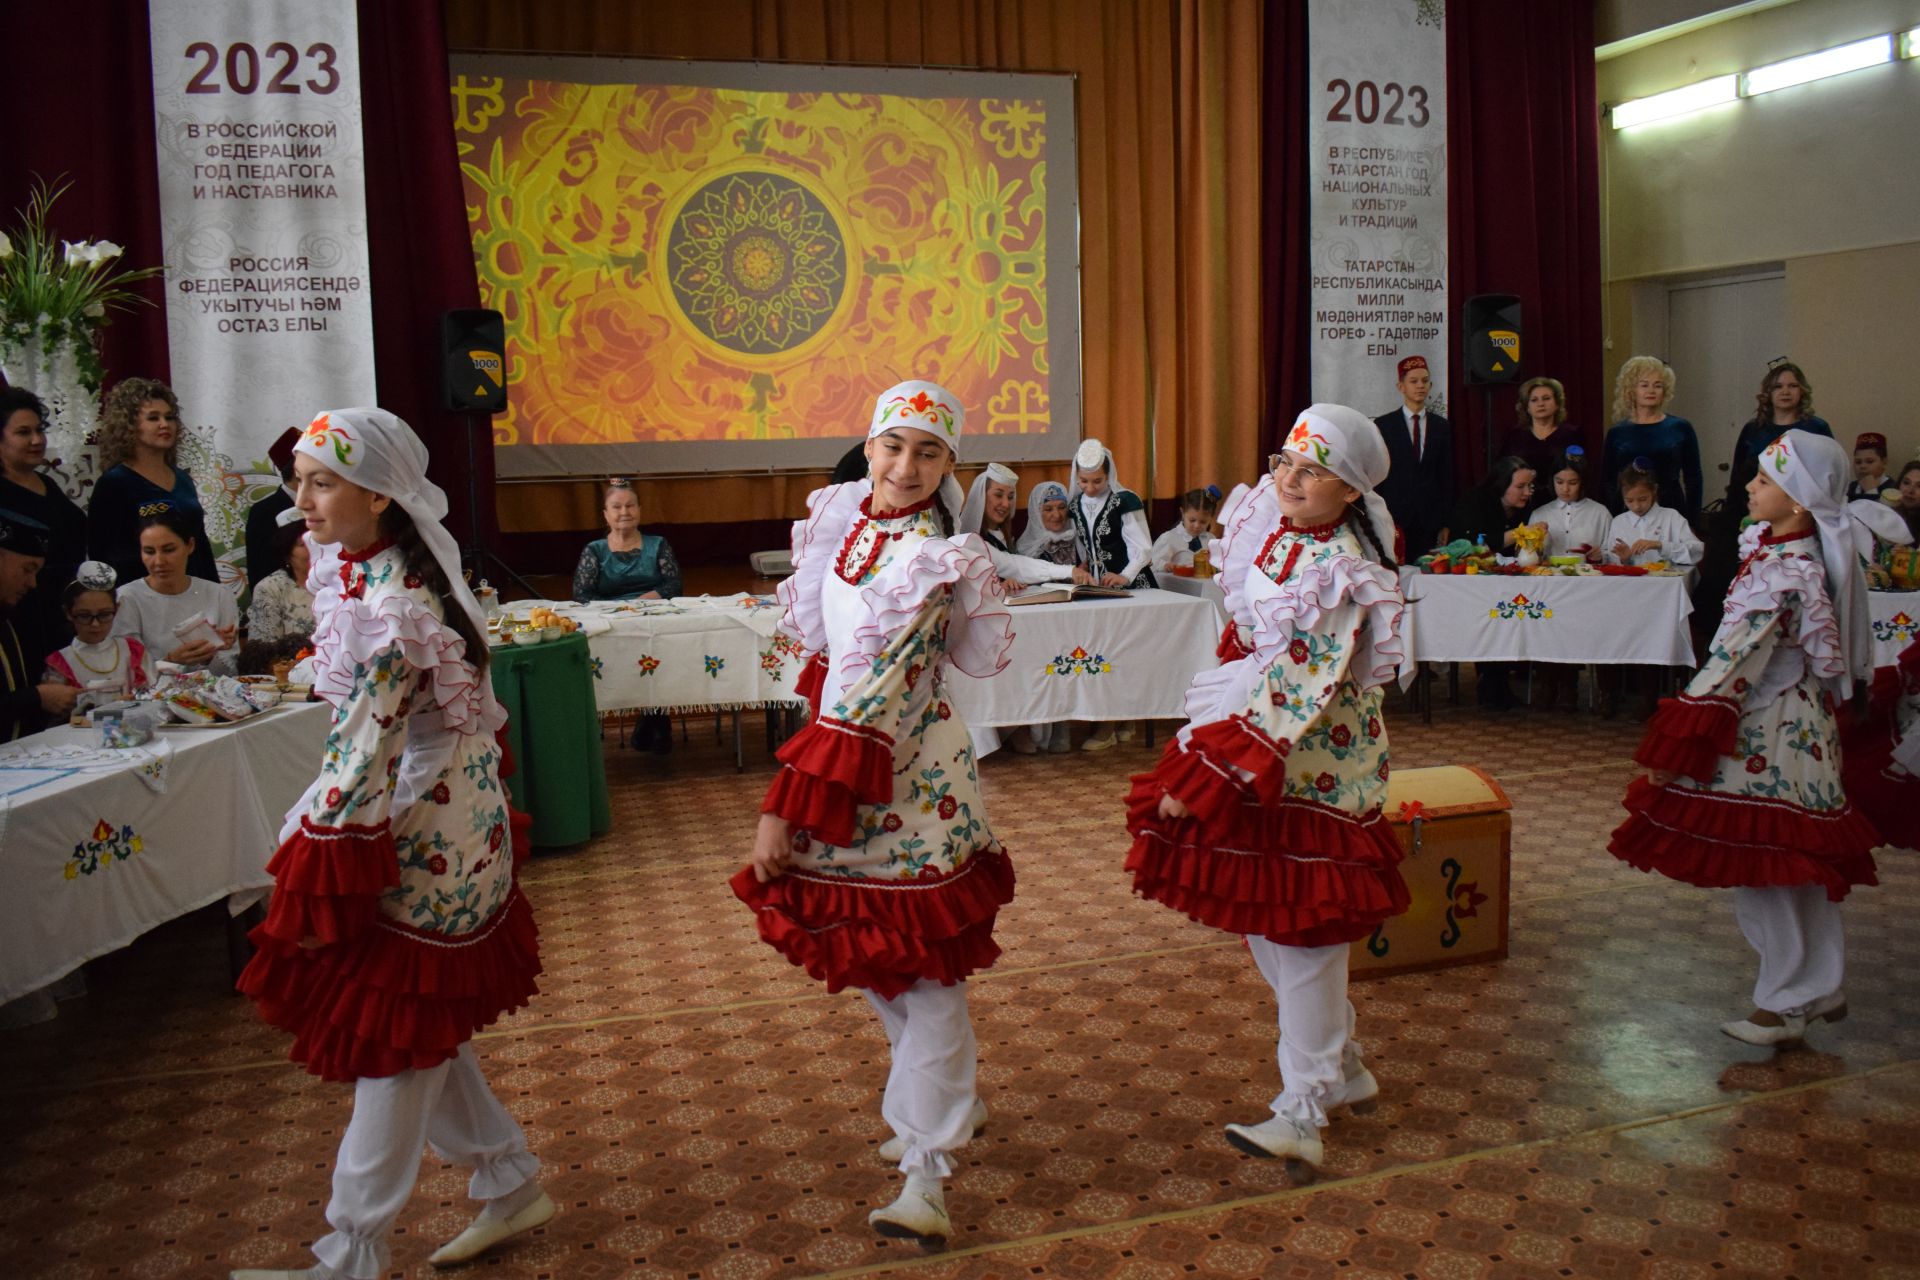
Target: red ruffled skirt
{"type": "Point", "coordinates": [883, 935]}
{"type": "Point", "coordinates": [1295, 872]}
{"type": "Point", "coordinates": [380, 997]}
{"type": "Point", "coordinates": [1720, 841]}
{"type": "Point", "coordinates": [1883, 791]}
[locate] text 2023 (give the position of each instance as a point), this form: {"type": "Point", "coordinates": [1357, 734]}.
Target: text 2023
{"type": "Point", "coordinates": [242, 65]}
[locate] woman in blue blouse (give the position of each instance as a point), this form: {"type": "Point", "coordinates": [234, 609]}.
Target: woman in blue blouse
{"type": "Point", "coordinates": [626, 564]}
{"type": "Point", "coordinates": [630, 565]}
{"type": "Point", "coordinates": [140, 476]}
{"type": "Point", "coordinates": [1644, 429]}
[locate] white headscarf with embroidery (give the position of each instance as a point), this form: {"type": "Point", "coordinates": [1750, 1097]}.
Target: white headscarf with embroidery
{"type": "Point", "coordinates": [377, 451]}
{"type": "Point", "coordinates": [1036, 538]}
{"type": "Point", "coordinates": [1814, 471]}
{"type": "Point", "coordinates": [1347, 443]}
{"type": "Point", "coordinates": [929, 407]}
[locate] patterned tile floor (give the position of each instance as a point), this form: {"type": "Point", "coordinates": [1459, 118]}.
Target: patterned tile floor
{"type": "Point", "coordinates": [706, 1111]}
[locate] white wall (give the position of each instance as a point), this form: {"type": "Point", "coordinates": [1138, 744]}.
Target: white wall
{"type": "Point", "coordinates": [1821, 178]}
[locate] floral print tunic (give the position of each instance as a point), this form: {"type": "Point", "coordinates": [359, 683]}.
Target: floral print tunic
{"type": "Point", "coordinates": [396, 929]}
{"type": "Point", "coordinates": [1284, 763]}
{"type": "Point", "coordinates": [896, 874]}
{"type": "Point", "coordinates": [1753, 743]}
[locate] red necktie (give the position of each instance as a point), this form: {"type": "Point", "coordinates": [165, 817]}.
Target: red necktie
{"type": "Point", "coordinates": [1416, 436]}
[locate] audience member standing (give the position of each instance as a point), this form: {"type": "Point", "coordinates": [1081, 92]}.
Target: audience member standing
{"type": "Point", "coordinates": [1644, 429]}
{"type": "Point", "coordinates": [25, 491]}
{"type": "Point", "coordinates": [1542, 434]}
{"type": "Point", "coordinates": [140, 477]}
{"type": "Point", "coordinates": [263, 517]}
{"type": "Point", "coordinates": [1419, 486]}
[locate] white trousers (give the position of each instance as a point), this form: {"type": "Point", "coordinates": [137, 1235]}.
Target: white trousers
{"type": "Point", "coordinates": [930, 1087]}
{"type": "Point", "coordinates": [394, 1118]}
{"type": "Point", "coordinates": [1316, 1024]}
{"type": "Point", "coordinates": [1802, 946]}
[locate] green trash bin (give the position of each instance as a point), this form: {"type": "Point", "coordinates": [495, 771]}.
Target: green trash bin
{"type": "Point", "coordinates": [553, 730]}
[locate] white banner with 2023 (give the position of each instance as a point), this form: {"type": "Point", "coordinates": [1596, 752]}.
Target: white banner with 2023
{"type": "Point", "coordinates": [263, 220]}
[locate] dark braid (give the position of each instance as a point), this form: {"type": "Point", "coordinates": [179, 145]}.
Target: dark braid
{"type": "Point", "coordinates": [395, 523]}
{"type": "Point", "coordinates": [1357, 513]}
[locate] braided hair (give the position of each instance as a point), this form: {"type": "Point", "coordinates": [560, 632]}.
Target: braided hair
{"type": "Point", "coordinates": [1357, 514]}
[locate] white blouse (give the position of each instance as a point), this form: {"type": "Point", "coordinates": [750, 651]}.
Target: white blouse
{"type": "Point", "coordinates": [1171, 548]}
{"type": "Point", "coordinates": [151, 617]}
{"type": "Point", "coordinates": [1573, 524]}
{"type": "Point", "coordinates": [281, 607]}
{"type": "Point", "coordinates": [1664, 525]}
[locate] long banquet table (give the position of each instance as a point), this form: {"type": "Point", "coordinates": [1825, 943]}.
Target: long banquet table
{"type": "Point", "coordinates": [97, 847]}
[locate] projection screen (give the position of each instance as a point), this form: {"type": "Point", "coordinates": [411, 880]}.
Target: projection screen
{"type": "Point", "coordinates": [714, 267]}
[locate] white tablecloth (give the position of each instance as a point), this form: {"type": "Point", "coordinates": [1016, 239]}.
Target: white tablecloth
{"type": "Point", "coordinates": [1896, 619]}
{"type": "Point", "coordinates": [98, 847]}
{"type": "Point", "coordinates": [1489, 618]}
{"type": "Point", "coordinates": [686, 654]}
{"type": "Point", "coordinates": [1207, 589]}
{"type": "Point", "coordinates": [1126, 659]}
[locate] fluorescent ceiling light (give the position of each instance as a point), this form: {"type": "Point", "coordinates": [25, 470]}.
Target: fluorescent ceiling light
{"type": "Point", "coordinates": [1675, 102]}
{"type": "Point", "coordinates": [1818, 66]}
{"type": "Point", "coordinates": [1911, 41]}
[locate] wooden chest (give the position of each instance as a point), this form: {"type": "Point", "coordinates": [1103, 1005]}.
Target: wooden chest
{"type": "Point", "coordinates": [1453, 821]}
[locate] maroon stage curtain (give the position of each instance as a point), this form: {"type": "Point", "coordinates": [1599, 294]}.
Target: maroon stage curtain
{"type": "Point", "coordinates": [77, 100]}
{"type": "Point", "coordinates": [1524, 205]}
{"type": "Point", "coordinates": [1286, 321]}
{"type": "Point", "coordinates": [82, 105]}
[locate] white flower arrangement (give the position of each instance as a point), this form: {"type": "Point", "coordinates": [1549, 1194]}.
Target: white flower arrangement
{"type": "Point", "coordinates": [54, 289]}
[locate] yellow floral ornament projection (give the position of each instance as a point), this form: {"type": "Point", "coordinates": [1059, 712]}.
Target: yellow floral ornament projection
{"type": "Point", "coordinates": [682, 263]}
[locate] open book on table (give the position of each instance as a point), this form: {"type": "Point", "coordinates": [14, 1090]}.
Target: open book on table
{"type": "Point", "coordinates": [1060, 592]}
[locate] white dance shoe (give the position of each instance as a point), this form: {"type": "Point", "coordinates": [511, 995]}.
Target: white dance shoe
{"type": "Point", "coordinates": [919, 1214]}
{"type": "Point", "coordinates": [487, 1231]}
{"type": "Point", "coordinates": [894, 1149]}
{"type": "Point", "coordinates": [1279, 1138]}
{"type": "Point", "coordinates": [1357, 1091]}
{"type": "Point", "coordinates": [1766, 1029]}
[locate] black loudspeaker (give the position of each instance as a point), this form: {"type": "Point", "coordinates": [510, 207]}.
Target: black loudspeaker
{"type": "Point", "coordinates": [1493, 338]}
{"type": "Point", "coordinates": [473, 361]}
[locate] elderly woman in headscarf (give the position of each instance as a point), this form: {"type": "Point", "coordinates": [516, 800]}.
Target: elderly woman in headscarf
{"type": "Point", "coordinates": [1263, 817]}
{"type": "Point", "coordinates": [1742, 787]}
{"type": "Point", "coordinates": [396, 930]}
{"type": "Point", "coordinates": [989, 513]}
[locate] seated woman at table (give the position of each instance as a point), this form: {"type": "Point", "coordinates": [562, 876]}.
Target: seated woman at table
{"type": "Point", "coordinates": [1174, 549]}
{"type": "Point", "coordinates": [1646, 532]}
{"type": "Point", "coordinates": [282, 605]}
{"type": "Point", "coordinates": [989, 512]}
{"type": "Point", "coordinates": [1049, 536]}
{"type": "Point", "coordinates": [109, 666]}
{"type": "Point", "coordinates": [630, 565]}
{"type": "Point", "coordinates": [1489, 513]}
{"type": "Point", "coordinates": [164, 610]}
{"type": "Point", "coordinates": [626, 564]}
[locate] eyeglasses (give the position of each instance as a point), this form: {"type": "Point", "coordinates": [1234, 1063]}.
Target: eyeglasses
{"type": "Point", "coordinates": [1277, 463]}
{"type": "Point", "coordinates": [106, 615]}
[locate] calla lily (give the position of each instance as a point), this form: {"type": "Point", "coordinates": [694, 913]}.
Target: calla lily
{"type": "Point", "coordinates": [6, 247]}
{"type": "Point", "coordinates": [106, 250]}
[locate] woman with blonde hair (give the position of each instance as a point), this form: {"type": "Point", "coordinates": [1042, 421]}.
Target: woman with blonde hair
{"type": "Point", "coordinates": [140, 476]}
{"type": "Point", "coordinates": [1541, 432]}
{"type": "Point", "coordinates": [1643, 428]}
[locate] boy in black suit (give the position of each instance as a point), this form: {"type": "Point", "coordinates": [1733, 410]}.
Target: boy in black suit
{"type": "Point", "coordinates": [1419, 485]}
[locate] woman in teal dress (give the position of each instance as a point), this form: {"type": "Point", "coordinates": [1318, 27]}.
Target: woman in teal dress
{"type": "Point", "coordinates": [630, 565]}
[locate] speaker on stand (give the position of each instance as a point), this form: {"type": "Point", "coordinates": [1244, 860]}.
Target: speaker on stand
{"type": "Point", "coordinates": [473, 380]}
{"type": "Point", "coordinates": [1493, 351]}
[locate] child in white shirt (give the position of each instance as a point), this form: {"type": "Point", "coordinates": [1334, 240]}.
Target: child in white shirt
{"type": "Point", "coordinates": [1576, 525]}
{"type": "Point", "coordinates": [1175, 548]}
{"type": "Point", "coordinates": [1646, 531]}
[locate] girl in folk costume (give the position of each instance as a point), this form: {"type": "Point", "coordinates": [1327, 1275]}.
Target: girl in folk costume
{"type": "Point", "coordinates": [873, 866]}
{"type": "Point", "coordinates": [1049, 533]}
{"type": "Point", "coordinates": [1742, 787]}
{"type": "Point", "coordinates": [1263, 816]}
{"type": "Point", "coordinates": [1111, 522]}
{"type": "Point", "coordinates": [989, 513]}
{"type": "Point", "coordinates": [97, 660]}
{"type": "Point", "coordinates": [396, 930]}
